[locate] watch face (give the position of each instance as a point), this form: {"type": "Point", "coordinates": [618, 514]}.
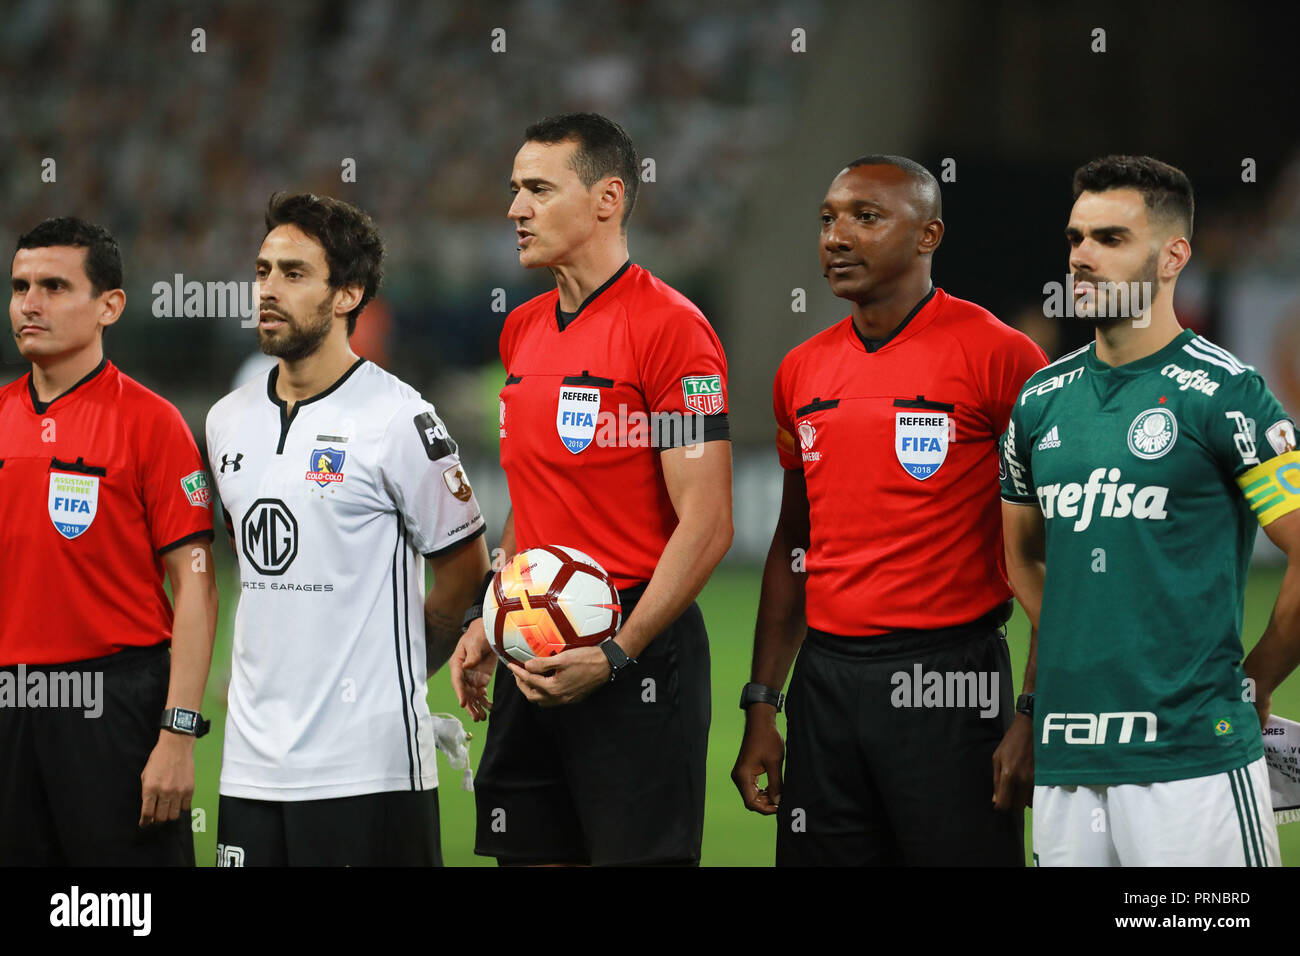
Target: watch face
{"type": "Point", "coordinates": [185, 720]}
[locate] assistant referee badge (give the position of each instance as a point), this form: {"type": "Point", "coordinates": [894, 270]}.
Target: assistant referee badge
{"type": "Point", "coordinates": [74, 502]}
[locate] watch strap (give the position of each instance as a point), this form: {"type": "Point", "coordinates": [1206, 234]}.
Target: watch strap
{"type": "Point", "coordinates": [1025, 705]}
{"type": "Point", "coordinates": [181, 721]}
{"type": "Point", "coordinates": [475, 611]}
{"type": "Point", "coordinates": [617, 657]}
{"type": "Point", "coordinates": [756, 693]}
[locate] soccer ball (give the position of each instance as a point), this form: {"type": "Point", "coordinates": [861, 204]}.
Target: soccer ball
{"type": "Point", "coordinates": [546, 600]}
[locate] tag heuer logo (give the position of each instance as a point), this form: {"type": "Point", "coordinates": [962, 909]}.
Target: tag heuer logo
{"type": "Point", "coordinates": [196, 489]}
{"type": "Point", "coordinates": [703, 393]}
{"type": "Point", "coordinates": [1152, 433]}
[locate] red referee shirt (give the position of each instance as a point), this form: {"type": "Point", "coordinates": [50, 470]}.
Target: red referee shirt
{"type": "Point", "coordinates": [94, 487]}
{"type": "Point", "coordinates": [577, 440]}
{"type": "Point", "coordinates": [898, 448]}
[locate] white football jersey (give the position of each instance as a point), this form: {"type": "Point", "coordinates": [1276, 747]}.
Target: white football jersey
{"type": "Point", "coordinates": [332, 509]}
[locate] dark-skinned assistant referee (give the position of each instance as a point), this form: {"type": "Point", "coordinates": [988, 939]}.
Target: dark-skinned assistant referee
{"type": "Point", "coordinates": [900, 704]}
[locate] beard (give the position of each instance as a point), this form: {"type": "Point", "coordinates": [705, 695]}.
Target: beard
{"type": "Point", "coordinates": [297, 340]}
{"type": "Point", "coordinates": [1108, 308]}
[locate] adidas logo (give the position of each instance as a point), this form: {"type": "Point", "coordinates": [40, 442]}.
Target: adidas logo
{"type": "Point", "coordinates": [1051, 440]}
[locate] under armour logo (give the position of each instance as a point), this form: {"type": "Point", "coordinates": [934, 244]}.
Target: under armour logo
{"type": "Point", "coordinates": [233, 463]}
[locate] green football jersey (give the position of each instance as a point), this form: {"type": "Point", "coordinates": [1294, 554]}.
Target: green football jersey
{"type": "Point", "coordinates": [1148, 540]}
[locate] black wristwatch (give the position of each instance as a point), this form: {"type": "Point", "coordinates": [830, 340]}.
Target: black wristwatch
{"type": "Point", "coordinates": [1025, 705]}
{"type": "Point", "coordinates": [476, 610]}
{"type": "Point", "coordinates": [181, 721]}
{"type": "Point", "coordinates": [617, 657]}
{"type": "Point", "coordinates": [755, 693]}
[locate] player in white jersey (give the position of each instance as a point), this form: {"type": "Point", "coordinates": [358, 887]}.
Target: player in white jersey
{"type": "Point", "coordinates": [338, 482]}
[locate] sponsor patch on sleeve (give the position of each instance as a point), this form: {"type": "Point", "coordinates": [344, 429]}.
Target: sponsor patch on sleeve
{"type": "Point", "coordinates": [457, 483]}
{"type": "Point", "coordinates": [1273, 488]}
{"type": "Point", "coordinates": [1281, 435]}
{"type": "Point", "coordinates": [703, 393]}
{"type": "Point", "coordinates": [196, 489]}
{"type": "Point", "coordinates": [433, 435]}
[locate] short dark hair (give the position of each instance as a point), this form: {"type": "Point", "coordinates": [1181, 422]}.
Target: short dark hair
{"type": "Point", "coordinates": [103, 258]}
{"type": "Point", "coordinates": [604, 149]}
{"type": "Point", "coordinates": [1166, 190]}
{"type": "Point", "coordinates": [921, 177]}
{"type": "Point", "coordinates": [354, 250]}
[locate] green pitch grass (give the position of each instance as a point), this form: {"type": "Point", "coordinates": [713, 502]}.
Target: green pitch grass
{"type": "Point", "coordinates": [732, 835]}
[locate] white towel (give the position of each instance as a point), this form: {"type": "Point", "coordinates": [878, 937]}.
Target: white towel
{"type": "Point", "coordinates": [452, 739]}
{"type": "Point", "coordinates": [1282, 753]}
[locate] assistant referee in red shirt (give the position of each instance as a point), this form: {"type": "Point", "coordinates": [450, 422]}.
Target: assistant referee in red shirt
{"type": "Point", "coordinates": [101, 490]}
{"type": "Point", "coordinates": [597, 755]}
{"type": "Point", "coordinates": [888, 550]}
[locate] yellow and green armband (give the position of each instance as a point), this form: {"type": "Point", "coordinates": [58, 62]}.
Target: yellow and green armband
{"type": "Point", "coordinates": [1273, 488]}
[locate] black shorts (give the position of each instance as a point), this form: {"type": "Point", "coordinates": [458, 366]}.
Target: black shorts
{"type": "Point", "coordinates": [869, 781]}
{"type": "Point", "coordinates": [70, 790]}
{"type": "Point", "coordinates": [394, 828]}
{"type": "Point", "coordinates": [617, 778]}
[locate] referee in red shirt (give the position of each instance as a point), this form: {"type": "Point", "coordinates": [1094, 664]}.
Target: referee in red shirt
{"type": "Point", "coordinates": [888, 551]}
{"type": "Point", "coordinates": [101, 489]}
{"type": "Point", "coordinates": [597, 755]}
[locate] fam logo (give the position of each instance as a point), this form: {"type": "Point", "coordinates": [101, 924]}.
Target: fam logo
{"type": "Point", "coordinates": [269, 536]}
{"type": "Point", "coordinates": [1152, 433]}
{"type": "Point", "coordinates": [326, 466]}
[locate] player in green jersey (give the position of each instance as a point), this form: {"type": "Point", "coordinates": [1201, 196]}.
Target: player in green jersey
{"type": "Point", "coordinates": [1134, 474]}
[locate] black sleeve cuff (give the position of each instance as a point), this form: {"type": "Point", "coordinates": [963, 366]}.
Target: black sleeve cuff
{"type": "Point", "coordinates": [208, 535]}
{"type": "Point", "coordinates": [1015, 500]}
{"type": "Point", "coordinates": [459, 541]}
{"type": "Point", "coordinates": [675, 431]}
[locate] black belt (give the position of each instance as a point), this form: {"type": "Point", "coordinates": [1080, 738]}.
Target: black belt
{"type": "Point", "coordinates": [904, 641]}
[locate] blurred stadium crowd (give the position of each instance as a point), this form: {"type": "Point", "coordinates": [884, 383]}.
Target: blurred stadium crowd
{"type": "Point", "coordinates": [176, 151]}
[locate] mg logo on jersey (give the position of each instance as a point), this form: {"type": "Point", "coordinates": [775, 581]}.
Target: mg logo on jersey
{"type": "Point", "coordinates": [325, 466]}
{"type": "Point", "coordinates": [575, 416]}
{"type": "Point", "coordinates": [269, 536]}
{"type": "Point", "coordinates": [73, 502]}
{"type": "Point", "coordinates": [703, 393]}
{"type": "Point", "coordinates": [1096, 729]}
{"type": "Point", "coordinates": [921, 442]}
{"type": "Point", "coordinates": [1152, 433]}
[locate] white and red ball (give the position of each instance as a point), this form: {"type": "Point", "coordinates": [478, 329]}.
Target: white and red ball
{"type": "Point", "coordinates": [548, 599]}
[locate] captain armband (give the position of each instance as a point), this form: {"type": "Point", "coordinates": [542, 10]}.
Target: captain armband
{"type": "Point", "coordinates": [1273, 488]}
